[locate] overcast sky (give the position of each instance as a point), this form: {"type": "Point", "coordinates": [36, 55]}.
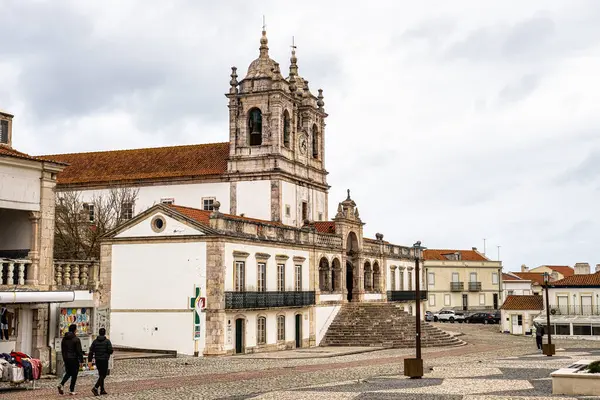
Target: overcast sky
{"type": "Point", "coordinates": [450, 121]}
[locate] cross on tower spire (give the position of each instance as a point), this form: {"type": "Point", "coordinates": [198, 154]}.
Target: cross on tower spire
{"type": "Point", "coordinates": [264, 27]}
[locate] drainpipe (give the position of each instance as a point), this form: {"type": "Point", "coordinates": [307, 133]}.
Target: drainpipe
{"type": "Point", "coordinates": [48, 340]}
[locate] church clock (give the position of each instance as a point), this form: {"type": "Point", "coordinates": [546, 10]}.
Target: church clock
{"type": "Point", "coordinates": [302, 144]}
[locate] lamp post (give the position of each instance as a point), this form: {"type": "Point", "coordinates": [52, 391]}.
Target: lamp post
{"type": "Point", "coordinates": [548, 348]}
{"type": "Point", "coordinates": [413, 367]}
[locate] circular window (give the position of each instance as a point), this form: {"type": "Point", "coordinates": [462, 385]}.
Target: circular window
{"type": "Point", "coordinates": [158, 223]}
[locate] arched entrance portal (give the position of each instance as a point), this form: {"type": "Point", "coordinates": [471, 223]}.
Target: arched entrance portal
{"type": "Point", "coordinates": [349, 280]}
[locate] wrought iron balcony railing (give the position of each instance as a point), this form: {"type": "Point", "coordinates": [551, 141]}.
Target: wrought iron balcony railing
{"type": "Point", "coordinates": [457, 286]}
{"type": "Point", "coordinates": [474, 286]}
{"type": "Point", "coordinates": [405, 295]}
{"type": "Point", "coordinates": [239, 300]}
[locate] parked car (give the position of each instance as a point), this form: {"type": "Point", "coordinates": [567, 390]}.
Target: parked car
{"type": "Point", "coordinates": [449, 316]}
{"type": "Point", "coordinates": [483, 318]}
{"type": "Point", "coordinates": [428, 316]}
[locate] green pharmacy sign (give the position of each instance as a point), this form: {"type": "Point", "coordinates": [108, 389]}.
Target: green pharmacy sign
{"type": "Point", "coordinates": [198, 304]}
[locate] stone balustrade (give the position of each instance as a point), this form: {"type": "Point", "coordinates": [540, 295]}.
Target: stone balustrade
{"type": "Point", "coordinates": [13, 272]}
{"type": "Point", "coordinates": [76, 274]}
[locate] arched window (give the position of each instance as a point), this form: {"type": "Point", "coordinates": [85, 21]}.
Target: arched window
{"type": "Point", "coordinates": [281, 327]}
{"type": "Point", "coordinates": [255, 127]}
{"type": "Point", "coordinates": [368, 276]}
{"type": "Point", "coordinates": [261, 330]}
{"type": "Point", "coordinates": [315, 141]}
{"type": "Point", "coordinates": [376, 278]}
{"type": "Point", "coordinates": [324, 280]}
{"type": "Point", "coordinates": [286, 129]}
{"type": "Point", "coordinates": [336, 274]}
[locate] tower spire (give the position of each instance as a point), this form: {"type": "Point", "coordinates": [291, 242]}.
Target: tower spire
{"type": "Point", "coordinates": [293, 60]}
{"type": "Point", "coordinates": [264, 49]}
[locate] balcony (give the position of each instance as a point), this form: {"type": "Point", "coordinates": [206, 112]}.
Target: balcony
{"type": "Point", "coordinates": [574, 310]}
{"type": "Point", "coordinates": [75, 274]}
{"type": "Point", "coordinates": [239, 300]}
{"type": "Point", "coordinates": [457, 286]}
{"type": "Point", "coordinates": [405, 295]}
{"type": "Point", "coordinates": [13, 272]}
{"type": "Point", "coordinates": [474, 286]}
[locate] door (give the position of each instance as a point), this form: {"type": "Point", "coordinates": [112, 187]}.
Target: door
{"type": "Point", "coordinates": [239, 336]}
{"type": "Point", "coordinates": [563, 304]}
{"type": "Point", "coordinates": [586, 305]}
{"type": "Point", "coordinates": [465, 302]}
{"type": "Point", "coordinates": [298, 330]}
{"type": "Point", "coordinates": [517, 324]}
{"type": "Point", "coordinates": [349, 280]}
{"type": "Point", "coordinates": [495, 301]}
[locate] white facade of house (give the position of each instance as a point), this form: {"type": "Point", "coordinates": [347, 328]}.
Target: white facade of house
{"type": "Point", "coordinates": [517, 288]}
{"type": "Point", "coordinates": [517, 322]}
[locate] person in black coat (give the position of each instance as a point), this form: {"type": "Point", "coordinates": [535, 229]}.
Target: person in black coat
{"type": "Point", "coordinates": [73, 358]}
{"type": "Point", "coordinates": [101, 349]}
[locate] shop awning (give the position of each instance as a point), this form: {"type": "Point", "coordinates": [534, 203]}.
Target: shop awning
{"type": "Point", "coordinates": [36, 297]}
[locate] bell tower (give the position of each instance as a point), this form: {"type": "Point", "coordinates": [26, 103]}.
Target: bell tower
{"type": "Point", "coordinates": [276, 133]}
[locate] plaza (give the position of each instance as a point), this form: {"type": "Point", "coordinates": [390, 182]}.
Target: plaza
{"type": "Point", "coordinates": [491, 365]}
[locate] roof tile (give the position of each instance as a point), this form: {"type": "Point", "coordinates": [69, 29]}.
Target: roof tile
{"type": "Point", "coordinates": [589, 280]}
{"type": "Point", "coordinates": [532, 302]}
{"type": "Point", "coordinates": [10, 152]}
{"type": "Point", "coordinates": [465, 255]}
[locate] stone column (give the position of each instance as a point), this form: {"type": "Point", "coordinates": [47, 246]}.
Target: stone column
{"type": "Point", "coordinates": [359, 279]}
{"type": "Point", "coordinates": [46, 227]}
{"type": "Point", "coordinates": [343, 287]}
{"type": "Point", "coordinates": [34, 249]}
{"type": "Point", "coordinates": [276, 200]}
{"type": "Point", "coordinates": [39, 343]}
{"type": "Point", "coordinates": [215, 298]}
{"type": "Point", "coordinates": [233, 198]}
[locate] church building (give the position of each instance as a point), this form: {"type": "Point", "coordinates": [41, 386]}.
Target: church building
{"type": "Point", "coordinates": [229, 247]}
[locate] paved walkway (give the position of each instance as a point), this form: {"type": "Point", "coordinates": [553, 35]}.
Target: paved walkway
{"type": "Point", "coordinates": [490, 362]}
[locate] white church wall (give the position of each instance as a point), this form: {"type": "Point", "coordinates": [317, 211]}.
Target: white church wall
{"type": "Point", "coordinates": [172, 227]}
{"type": "Point", "coordinates": [151, 287]}
{"type": "Point", "coordinates": [188, 195]}
{"type": "Point", "coordinates": [324, 316]}
{"type": "Point", "coordinates": [19, 187]}
{"type": "Point", "coordinates": [293, 195]}
{"type": "Point", "coordinates": [252, 265]}
{"type": "Point", "coordinates": [254, 199]}
{"type": "Point", "coordinates": [288, 199]}
{"type": "Point", "coordinates": [15, 232]}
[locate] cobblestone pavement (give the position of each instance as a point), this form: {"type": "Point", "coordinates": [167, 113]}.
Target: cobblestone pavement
{"type": "Point", "coordinates": [492, 365]}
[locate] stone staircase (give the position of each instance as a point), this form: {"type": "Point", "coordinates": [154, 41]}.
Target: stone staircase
{"type": "Point", "coordinates": [382, 325]}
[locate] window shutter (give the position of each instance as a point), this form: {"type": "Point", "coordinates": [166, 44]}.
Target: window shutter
{"type": "Point", "coordinates": [4, 131]}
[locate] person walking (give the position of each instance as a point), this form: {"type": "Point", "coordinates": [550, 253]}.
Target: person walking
{"type": "Point", "coordinates": [101, 349]}
{"type": "Point", "coordinates": [3, 323]}
{"type": "Point", "coordinates": [539, 335]}
{"type": "Point", "coordinates": [72, 357]}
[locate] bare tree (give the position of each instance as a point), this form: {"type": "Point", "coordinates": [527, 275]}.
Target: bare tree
{"type": "Point", "coordinates": [80, 223]}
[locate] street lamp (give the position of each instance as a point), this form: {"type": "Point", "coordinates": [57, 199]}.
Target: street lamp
{"type": "Point", "coordinates": [413, 367]}
{"type": "Point", "coordinates": [548, 349]}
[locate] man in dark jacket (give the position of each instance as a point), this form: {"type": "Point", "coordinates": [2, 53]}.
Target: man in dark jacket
{"type": "Point", "coordinates": [539, 335]}
{"type": "Point", "coordinates": [101, 349]}
{"type": "Point", "coordinates": [73, 358]}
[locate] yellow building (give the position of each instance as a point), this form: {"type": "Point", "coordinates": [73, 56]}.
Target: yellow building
{"type": "Point", "coordinates": [462, 280]}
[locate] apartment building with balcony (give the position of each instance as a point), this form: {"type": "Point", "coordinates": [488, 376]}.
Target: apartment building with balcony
{"type": "Point", "coordinates": [461, 280]}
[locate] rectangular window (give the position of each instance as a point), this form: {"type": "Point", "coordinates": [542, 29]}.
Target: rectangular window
{"type": "Point", "coordinates": [261, 330]}
{"type": "Point", "coordinates": [473, 277]}
{"type": "Point", "coordinates": [595, 330]}
{"type": "Point", "coordinates": [240, 276]}
{"type": "Point", "coordinates": [401, 280]}
{"type": "Point", "coordinates": [288, 210]}
{"type": "Point", "coordinates": [207, 203]}
{"type": "Point", "coordinates": [564, 329]}
{"type": "Point", "coordinates": [455, 277]}
{"type": "Point", "coordinates": [304, 211]}
{"type": "Point", "coordinates": [127, 210]}
{"type": "Point", "coordinates": [494, 278]}
{"type": "Point", "coordinates": [432, 299]}
{"type": "Point", "coordinates": [261, 284]}
{"type": "Point", "coordinates": [4, 131]}
{"type": "Point", "coordinates": [409, 280]}
{"type": "Point", "coordinates": [280, 277]}
{"type": "Point", "coordinates": [280, 327]}
{"type": "Point", "coordinates": [582, 330]}
{"type": "Point", "coordinates": [446, 299]}
{"type": "Point", "coordinates": [392, 279]}
{"type": "Point", "coordinates": [89, 212]}
{"type": "Point", "coordinates": [431, 279]}
{"type": "Point", "coordinates": [482, 299]}
{"type": "Point", "coordinates": [298, 278]}
{"type": "Point", "coordinates": [167, 200]}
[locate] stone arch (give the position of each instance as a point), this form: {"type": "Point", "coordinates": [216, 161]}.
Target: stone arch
{"type": "Point", "coordinates": [336, 274]}
{"type": "Point", "coordinates": [376, 277]}
{"type": "Point", "coordinates": [324, 275]}
{"type": "Point", "coordinates": [352, 246]}
{"type": "Point", "coordinates": [368, 273]}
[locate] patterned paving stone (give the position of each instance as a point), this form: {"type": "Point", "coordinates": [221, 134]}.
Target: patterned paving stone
{"type": "Point", "coordinates": [468, 386]}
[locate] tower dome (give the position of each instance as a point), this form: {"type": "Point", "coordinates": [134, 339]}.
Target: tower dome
{"type": "Point", "coordinates": [263, 66]}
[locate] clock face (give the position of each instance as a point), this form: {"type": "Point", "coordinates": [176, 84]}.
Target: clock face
{"type": "Point", "coordinates": [302, 144]}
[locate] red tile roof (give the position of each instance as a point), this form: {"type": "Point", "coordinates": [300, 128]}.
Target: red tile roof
{"type": "Point", "coordinates": [150, 163]}
{"type": "Point", "coordinates": [588, 280]}
{"type": "Point", "coordinates": [534, 277]}
{"type": "Point", "coordinates": [10, 152]}
{"type": "Point", "coordinates": [565, 270]}
{"type": "Point", "coordinates": [523, 303]}
{"type": "Point", "coordinates": [203, 216]}
{"type": "Point", "coordinates": [508, 277]}
{"type": "Point", "coordinates": [325, 226]}
{"type": "Point", "coordinates": [465, 255]}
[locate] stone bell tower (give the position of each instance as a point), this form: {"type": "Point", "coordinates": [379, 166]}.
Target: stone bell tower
{"type": "Point", "coordinates": [276, 133]}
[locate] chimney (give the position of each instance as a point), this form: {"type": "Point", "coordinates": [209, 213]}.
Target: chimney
{"type": "Point", "coordinates": [474, 248]}
{"type": "Point", "coordinates": [524, 268]}
{"type": "Point", "coordinates": [597, 267]}
{"type": "Point", "coordinates": [6, 128]}
{"type": "Point", "coordinates": [582, 269]}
